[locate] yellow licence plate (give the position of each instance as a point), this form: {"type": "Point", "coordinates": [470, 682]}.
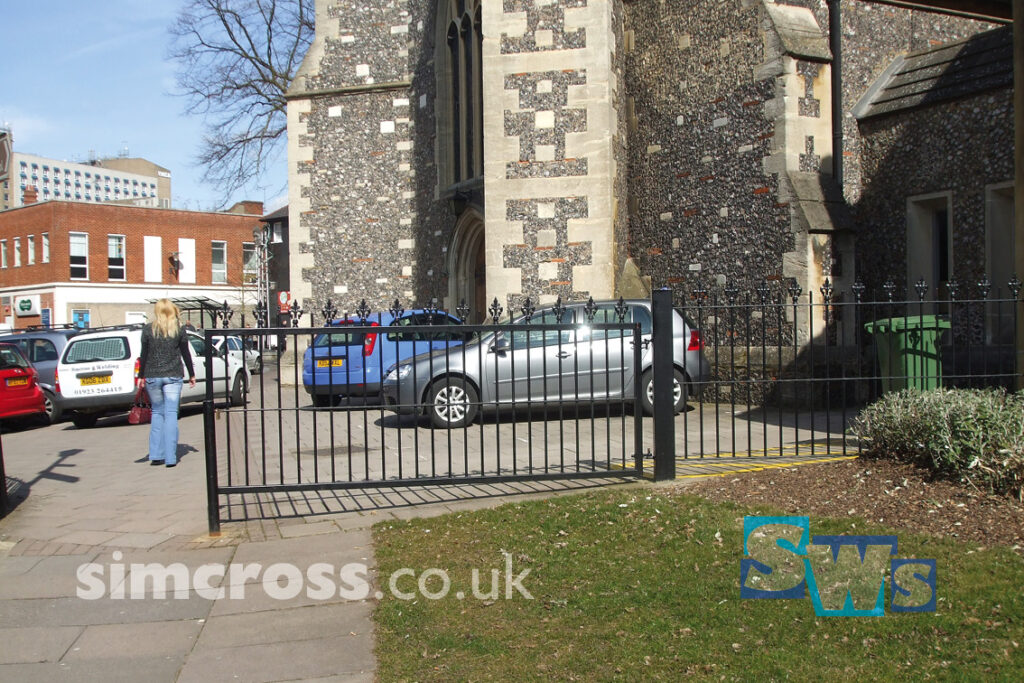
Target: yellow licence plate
{"type": "Point", "coordinates": [17, 381]}
{"type": "Point", "coordinates": [89, 381]}
{"type": "Point", "coordinates": [334, 362]}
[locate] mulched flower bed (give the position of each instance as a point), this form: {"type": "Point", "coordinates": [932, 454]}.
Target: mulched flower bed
{"type": "Point", "coordinates": [898, 495]}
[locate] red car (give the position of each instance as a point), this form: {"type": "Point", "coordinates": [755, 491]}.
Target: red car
{"type": "Point", "coordinates": [20, 395]}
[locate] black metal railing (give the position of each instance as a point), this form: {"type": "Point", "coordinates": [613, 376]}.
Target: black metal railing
{"type": "Point", "coordinates": [418, 398]}
{"type": "Point", "coordinates": [415, 397]}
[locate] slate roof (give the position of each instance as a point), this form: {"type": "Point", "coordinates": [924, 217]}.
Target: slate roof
{"type": "Point", "coordinates": [948, 72]}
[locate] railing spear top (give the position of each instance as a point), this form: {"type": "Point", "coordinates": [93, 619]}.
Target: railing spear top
{"type": "Point", "coordinates": [528, 309]}
{"type": "Point", "coordinates": [921, 287]}
{"type": "Point", "coordinates": [984, 287]}
{"type": "Point", "coordinates": [621, 309]}
{"type": "Point", "coordinates": [363, 311]}
{"type": "Point", "coordinates": [858, 289]}
{"type": "Point", "coordinates": [495, 311]}
{"type": "Point", "coordinates": [295, 312]}
{"type": "Point", "coordinates": [330, 312]}
{"type": "Point", "coordinates": [463, 310]}
{"type": "Point", "coordinates": [890, 289]}
{"type": "Point", "coordinates": [590, 310]}
{"type": "Point", "coordinates": [826, 290]}
{"type": "Point", "coordinates": [1014, 285]}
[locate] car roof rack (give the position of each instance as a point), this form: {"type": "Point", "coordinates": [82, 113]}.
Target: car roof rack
{"type": "Point", "coordinates": [39, 328]}
{"type": "Point", "coordinates": [110, 328]}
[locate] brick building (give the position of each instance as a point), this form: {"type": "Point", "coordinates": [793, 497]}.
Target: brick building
{"type": "Point", "coordinates": [101, 264]}
{"type": "Point", "coordinates": [466, 149]}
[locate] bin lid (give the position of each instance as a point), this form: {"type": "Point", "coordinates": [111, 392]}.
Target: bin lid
{"type": "Point", "coordinates": [908, 322]}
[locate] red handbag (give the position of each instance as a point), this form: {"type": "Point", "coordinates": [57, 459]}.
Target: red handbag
{"type": "Point", "coordinates": [142, 410]}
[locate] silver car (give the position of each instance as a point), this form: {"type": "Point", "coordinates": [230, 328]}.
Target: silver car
{"type": "Point", "coordinates": [524, 367]}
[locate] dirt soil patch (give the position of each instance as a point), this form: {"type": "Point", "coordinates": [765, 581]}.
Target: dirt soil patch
{"type": "Point", "coordinates": [898, 495]}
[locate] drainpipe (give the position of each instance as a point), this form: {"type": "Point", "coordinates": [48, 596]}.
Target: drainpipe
{"type": "Point", "coordinates": [835, 42]}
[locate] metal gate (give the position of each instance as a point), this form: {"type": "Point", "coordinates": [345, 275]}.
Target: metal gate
{"type": "Point", "coordinates": [418, 398]}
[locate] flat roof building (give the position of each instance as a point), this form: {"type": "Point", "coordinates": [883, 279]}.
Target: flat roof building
{"type": "Point", "coordinates": [121, 180]}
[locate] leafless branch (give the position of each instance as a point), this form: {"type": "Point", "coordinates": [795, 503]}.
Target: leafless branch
{"type": "Point", "coordinates": [236, 59]}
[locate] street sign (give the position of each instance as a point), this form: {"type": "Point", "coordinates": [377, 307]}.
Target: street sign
{"type": "Point", "coordinates": [26, 305]}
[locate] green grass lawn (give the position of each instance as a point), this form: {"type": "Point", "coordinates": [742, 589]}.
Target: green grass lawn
{"type": "Point", "coordinates": [642, 583]}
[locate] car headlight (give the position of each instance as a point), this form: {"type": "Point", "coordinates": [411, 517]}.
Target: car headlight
{"type": "Point", "coordinates": [398, 373]}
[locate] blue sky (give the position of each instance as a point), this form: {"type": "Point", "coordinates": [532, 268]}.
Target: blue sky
{"type": "Point", "coordinates": [80, 76]}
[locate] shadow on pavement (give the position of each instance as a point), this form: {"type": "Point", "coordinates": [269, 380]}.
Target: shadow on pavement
{"type": "Point", "coordinates": [18, 490]}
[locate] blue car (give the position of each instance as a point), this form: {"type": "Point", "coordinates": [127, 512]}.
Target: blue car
{"type": "Point", "coordinates": [351, 363]}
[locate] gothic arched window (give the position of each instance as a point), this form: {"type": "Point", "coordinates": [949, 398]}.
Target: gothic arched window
{"type": "Point", "coordinates": [460, 91]}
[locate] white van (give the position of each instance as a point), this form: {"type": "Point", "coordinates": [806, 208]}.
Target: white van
{"type": "Point", "coordinates": [96, 373]}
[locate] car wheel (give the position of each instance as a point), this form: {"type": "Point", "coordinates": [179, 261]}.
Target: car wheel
{"type": "Point", "coordinates": [678, 392]}
{"type": "Point", "coordinates": [238, 390]}
{"type": "Point", "coordinates": [452, 403]}
{"type": "Point", "coordinates": [85, 420]}
{"type": "Point", "coordinates": [257, 367]}
{"type": "Point", "coordinates": [323, 400]}
{"type": "Point", "coordinates": [53, 411]}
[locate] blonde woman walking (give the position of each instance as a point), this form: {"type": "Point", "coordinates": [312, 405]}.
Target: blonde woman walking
{"type": "Point", "coordinates": [164, 349]}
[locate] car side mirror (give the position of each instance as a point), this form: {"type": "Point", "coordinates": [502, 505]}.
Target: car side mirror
{"type": "Point", "coordinates": [500, 343]}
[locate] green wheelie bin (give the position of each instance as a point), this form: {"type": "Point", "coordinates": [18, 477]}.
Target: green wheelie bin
{"type": "Point", "coordinates": [908, 351]}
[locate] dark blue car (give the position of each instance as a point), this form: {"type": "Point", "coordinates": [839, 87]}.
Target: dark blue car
{"type": "Point", "coordinates": [349, 362]}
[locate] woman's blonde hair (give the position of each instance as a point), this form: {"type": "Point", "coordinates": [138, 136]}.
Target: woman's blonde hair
{"type": "Point", "coordinates": [165, 319]}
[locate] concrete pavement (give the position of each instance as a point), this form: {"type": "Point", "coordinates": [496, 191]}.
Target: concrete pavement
{"type": "Point", "coordinates": [91, 519]}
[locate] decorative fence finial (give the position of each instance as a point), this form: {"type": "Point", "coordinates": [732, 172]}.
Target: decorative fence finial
{"type": "Point", "coordinates": [528, 309]}
{"type": "Point", "coordinates": [295, 312]}
{"type": "Point", "coordinates": [495, 311]}
{"type": "Point", "coordinates": [330, 312]}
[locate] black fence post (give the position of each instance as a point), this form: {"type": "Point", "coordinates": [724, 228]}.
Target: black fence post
{"type": "Point", "coordinates": [3, 481]}
{"type": "Point", "coordinates": [210, 439]}
{"type": "Point", "coordinates": [663, 400]}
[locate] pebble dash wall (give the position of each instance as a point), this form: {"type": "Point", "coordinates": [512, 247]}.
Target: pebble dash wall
{"type": "Point", "coordinates": [366, 219]}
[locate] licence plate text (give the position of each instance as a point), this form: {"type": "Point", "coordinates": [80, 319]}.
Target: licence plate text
{"type": "Point", "coordinates": [90, 381]}
{"type": "Point", "coordinates": [17, 381]}
{"type": "Point", "coordinates": [334, 362]}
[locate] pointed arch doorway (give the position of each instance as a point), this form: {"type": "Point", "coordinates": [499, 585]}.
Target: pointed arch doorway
{"type": "Point", "coordinates": [468, 266]}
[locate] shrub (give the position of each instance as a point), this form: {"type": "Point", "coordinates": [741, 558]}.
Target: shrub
{"type": "Point", "coordinates": [973, 435]}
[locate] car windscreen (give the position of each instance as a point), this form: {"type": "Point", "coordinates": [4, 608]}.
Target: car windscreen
{"type": "Point", "coordinates": [339, 339]}
{"type": "Point", "coordinates": [95, 350]}
{"type": "Point", "coordinates": [10, 358]}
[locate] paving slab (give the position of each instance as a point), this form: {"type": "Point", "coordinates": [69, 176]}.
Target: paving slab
{"type": "Point", "coordinates": [288, 661]}
{"type": "Point", "coordinates": [146, 639]}
{"type": "Point", "coordinates": [32, 644]}
{"type": "Point", "coordinates": [300, 623]}
{"type": "Point", "coordinates": [51, 577]}
{"type": "Point", "coordinates": [57, 612]}
{"type": "Point", "coordinates": [125, 669]}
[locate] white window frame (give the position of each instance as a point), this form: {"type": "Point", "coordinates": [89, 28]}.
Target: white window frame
{"type": "Point", "coordinates": [17, 252]}
{"type": "Point", "coordinates": [70, 256]}
{"type": "Point", "coordinates": [920, 240]}
{"type": "Point", "coordinates": [30, 244]}
{"type": "Point", "coordinates": [46, 247]}
{"type": "Point", "coordinates": [124, 258]}
{"type": "Point", "coordinates": [214, 271]}
{"type": "Point", "coordinates": [3, 253]}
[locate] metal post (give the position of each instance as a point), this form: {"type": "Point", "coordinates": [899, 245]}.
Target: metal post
{"type": "Point", "coordinates": [210, 439]}
{"type": "Point", "coordinates": [664, 403]}
{"type": "Point", "coordinates": [3, 481]}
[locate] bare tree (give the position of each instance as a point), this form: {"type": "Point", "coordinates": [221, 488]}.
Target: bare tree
{"type": "Point", "coordinates": [236, 59]}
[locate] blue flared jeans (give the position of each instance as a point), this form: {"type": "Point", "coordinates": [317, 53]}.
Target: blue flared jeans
{"type": "Point", "coordinates": [164, 394]}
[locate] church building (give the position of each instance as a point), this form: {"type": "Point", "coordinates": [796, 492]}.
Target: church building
{"type": "Point", "coordinates": [467, 150]}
